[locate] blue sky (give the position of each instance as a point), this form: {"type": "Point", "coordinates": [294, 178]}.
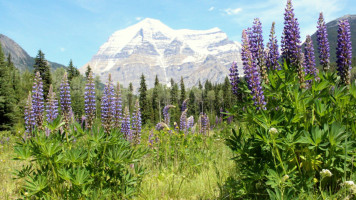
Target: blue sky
{"type": "Point", "coordinates": [75, 29]}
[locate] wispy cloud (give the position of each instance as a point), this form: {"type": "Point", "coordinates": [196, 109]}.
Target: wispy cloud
{"type": "Point", "coordinates": [211, 8]}
{"type": "Point", "coordinates": [62, 49]}
{"type": "Point", "coordinates": [138, 18]}
{"type": "Point", "coordinates": [230, 11]}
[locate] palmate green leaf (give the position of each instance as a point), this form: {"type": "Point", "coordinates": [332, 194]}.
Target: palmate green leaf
{"type": "Point", "coordinates": [56, 124]}
{"type": "Point", "coordinates": [50, 148]}
{"type": "Point", "coordinates": [336, 134]}
{"type": "Point", "coordinates": [35, 184]}
{"type": "Point", "coordinates": [24, 172]}
{"type": "Point", "coordinates": [319, 86]}
{"type": "Point", "coordinates": [75, 155]}
{"type": "Point", "coordinates": [80, 177]}
{"type": "Point", "coordinates": [22, 152]}
{"type": "Point", "coordinates": [352, 89]}
{"type": "Point", "coordinates": [64, 174]}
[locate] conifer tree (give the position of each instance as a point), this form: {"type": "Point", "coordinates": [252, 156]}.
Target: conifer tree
{"type": "Point", "coordinates": [227, 94]}
{"type": "Point", "coordinates": [130, 96]}
{"type": "Point", "coordinates": [174, 92]}
{"type": "Point", "coordinates": [192, 107]}
{"type": "Point", "coordinates": [143, 100]}
{"type": "Point", "coordinates": [42, 66]}
{"type": "Point", "coordinates": [182, 90]}
{"type": "Point", "coordinates": [155, 101]}
{"type": "Point", "coordinates": [72, 71]}
{"type": "Point", "coordinates": [88, 71]}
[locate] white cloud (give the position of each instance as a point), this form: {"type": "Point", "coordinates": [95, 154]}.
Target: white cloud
{"type": "Point", "coordinates": [231, 11]}
{"type": "Point", "coordinates": [62, 49]}
{"type": "Point", "coordinates": [211, 8]}
{"type": "Point", "coordinates": [138, 18]}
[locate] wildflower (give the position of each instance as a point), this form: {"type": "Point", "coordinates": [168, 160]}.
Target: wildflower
{"type": "Point", "coordinates": [52, 105]}
{"type": "Point", "coordinates": [251, 73]}
{"type": "Point", "coordinates": [37, 100]}
{"type": "Point", "coordinates": [344, 52]}
{"type": "Point", "coordinates": [325, 173]}
{"type": "Point", "coordinates": [183, 121]}
{"type": "Point", "coordinates": [89, 102]}
{"type": "Point", "coordinates": [160, 126]}
{"type": "Point", "coordinates": [190, 121]}
{"type": "Point", "coordinates": [108, 106]}
{"type": "Point", "coordinates": [272, 53]}
{"type": "Point", "coordinates": [65, 100]}
{"type": "Point", "coordinates": [349, 184]}
{"type": "Point", "coordinates": [291, 47]}
{"type": "Point", "coordinates": [309, 59]}
{"type": "Point", "coordinates": [29, 115]}
{"type": "Point", "coordinates": [118, 108]}
{"type": "Point", "coordinates": [166, 115]}
{"type": "Point", "coordinates": [184, 105]}
{"type": "Point", "coordinates": [285, 178]}
{"type": "Point", "coordinates": [323, 43]}
{"type": "Point", "coordinates": [136, 123]}
{"type": "Point", "coordinates": [234, 78]}
{"type": "Point", "coordinates": [257, 48]}
{"type": "Point", "coordinates": [204, 123]}
{"type": "Point", "coordinates": [125, 129]}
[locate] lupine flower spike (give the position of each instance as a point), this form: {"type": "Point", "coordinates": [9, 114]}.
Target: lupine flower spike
{"type": "Point", "coordinates": [234, 79]}
{"type": "Point", "coordinates": [125, 128]}
{"type": "Point", "coordinates": [291, 45]}
{"type": "Point", "coordinates": [309, 59]}
{"type": "Point", "coordinates": [52, 105]}
{"type": "Point", "coordinates": [190, 122]}
{"type": "Point", "coordinates": [65, 100]}
{"type": "Point", "coordinates": [272, 53]}
{"type": "Point", "coordinates": [251, 73]}
{"type": "Point", "coordinates": [323, 43]}
{"type": "Point", "coordinates": [37, 100]}
{"type": "Point", "coordinates": [29, 115]}
{"type": "Point", "coordinates": [257, 48]}
{"type": "Point", "coordinates": [184, 105]}
{"type": "Point", "coordinates": [90, 102]}
{"type": "Point", "coordinates": [108, 106]}
{"type": "Point", "coordinates": [166, 114]}
{"type": "Point", "coordinates": [136, 123]}
{"type": "Point", "coordinates": [183, 121]}
{"type": "Point", "coordinates": [344, 52]}
{"type": "Point", "coordinates": [204, 123]}
{"type": "Point", "coordinates": [118, 107]}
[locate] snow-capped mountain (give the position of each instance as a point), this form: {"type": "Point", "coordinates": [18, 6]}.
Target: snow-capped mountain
{"type": "Point", "coordinates": [150, 47]}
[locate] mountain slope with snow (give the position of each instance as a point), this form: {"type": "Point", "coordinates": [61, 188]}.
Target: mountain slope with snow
{"type": "Point", "coordinates": [150, 47]}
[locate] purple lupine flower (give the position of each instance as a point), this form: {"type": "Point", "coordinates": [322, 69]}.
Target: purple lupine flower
{"type": "Point", "coordinates": [108, 106]}
{"type": "Point", "coordinates": [257, 48]}
{"type": "Point", "coordinates": [52, 105]}
{"type": "Point", "coordinates": [65, 100]}
{"type": "Point", "coordinates": [290, 44]}
{"type": "Point", "coordinates": [125, 127]}
{"type": "Point", "coordinates": [323, 43]}
{"type": "Point", "coordinates": [272, 53]}
{"type": "Point", "coordinates": [37, 100]}
{"type": "Point", "coordinates": [166, 114]}
{"type": "Point", "coordinates": [29, 115]}
{"type": "Point", "coordinates": [309, 59]}
{"type": "Point", "coordinates": [152, 139]}
{"type": "Point", "coordinates": [183, 121]}
{"type": "Point", "coordinates": [229, 119]}
{"type": "Point", "coordinates": [344, 51]}
{"type": "Point", "coordinates": [90, 101]}
{"type": "Point", "coordinates": [184, 105]}
{"type": "Point", "coordinates": [251, 73]}
{"type": "Point", "coordinates": [136, 123]}
{"type": "Point", "coordinates": [190, 123]}
{"type": "Point", "coordinates": [118, 107]}
{"type": "Point", "coordinates": [204, 123]}
{"type": "Point", "coordinates": [234, 79]}
{"type": "Point", "coordinates": [159, 126]}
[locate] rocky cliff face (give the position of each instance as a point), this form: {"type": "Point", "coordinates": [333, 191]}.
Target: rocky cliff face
{"type": "Point", "coordinates": [19, 56]}
{"type": "Point", "coordinates": [151, 48]}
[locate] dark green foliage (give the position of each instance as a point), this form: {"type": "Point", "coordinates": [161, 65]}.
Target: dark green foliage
{"type": "Point", "coordinates": [72, 71]}
{"type": "Point", "coordinates": [41, 65]}
{"type": "Point", "coordinates": [192, 105]}
{"type": "Point", "coordinates": [77, 87]}
{"type": "Point", "coordinates": [130, 97]}
{"type": "Point", "coordinates": [144, 103]}
{"type": "Point", "coordinates": [88, 71]}
{"type": "Point", "coordinates": [79, 165]}
{"type": "Point", "coordinates": [155, 101]}
{"type": "Point", "coordinates": [182, 91]}
{"type": "Point", "coordinates": [174, 92]}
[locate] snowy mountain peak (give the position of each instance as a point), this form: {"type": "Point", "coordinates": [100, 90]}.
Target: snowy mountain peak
{"type": "Point", "coordinates": [151, 47]}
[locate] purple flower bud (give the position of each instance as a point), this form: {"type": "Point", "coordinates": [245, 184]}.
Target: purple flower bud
{"type": "Point", "coordinates": [90, 101]}
{"type": "Point", "coordinates": [65, 100]}
{"type": "Point", "coordinates": [136, 123]}
{"type": "Point", "coordinates": [125, 128]}
{"type": "Point", "coordinates": [309, 59]}
{"type": "Point", "coordinates": [272, 53]}
{"type": "Point", "coordinates": [190, 122]}
{"type": "Point", "coordinates": [37, 100]}
{"type": "Point", "coordinates": [108, 106]}
{"type": "Point", "coordinates": [166, 115]}
{"type": "Point", "coordinates": [118, 107]}
{"type": "Point", "coordinates": [184, 105]}
{"type": "Point", "coordinates": [52, 105]}
{"type": "Point", "coordinates": [291, 47]}
{"type": "Point", "coordinates": [183, 121]}
{"type": "Point", "coordinates": [234, 79]}
{"type": "Point", "coordinates": [344, 52]}
{"type": "Point", "coordinates": [323, 43]}
{"type": "Point", "coordinates": [204, 123]}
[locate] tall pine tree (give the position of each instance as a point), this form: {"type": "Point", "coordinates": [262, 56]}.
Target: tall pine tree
{"type": "Point", "coordinates": [88, 71]}
{"type": "Point", "coordinates": [42, 66]}
{"type": "Point", "coordinates": [145, 110]}
{"type": "Point", "coordinates": [155, 101]}
{"type": "Point", "coordinates": [72, 71]}
{"type": "Point", "coordinates": [130, 96]}
{"type": "Point", "coordinates": [182, 91]}
{"type": "Point", "coordinates": [174, 92]}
